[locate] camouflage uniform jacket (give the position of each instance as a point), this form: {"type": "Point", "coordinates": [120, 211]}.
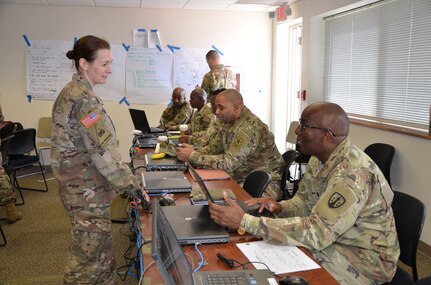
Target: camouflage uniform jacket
{"type": "Point", "coordinates": [219, 77]}
{"type": "Point", "coordinates": [173, 117]}
{"type": "Point", "coordinates": [203, 138]}
{"type": "Point", "coordinates": [84, 153]}
{"type": "Point", "coordinates": [243, 147]}
{"type": "Point", "coordinates": [344, 206]}
{"type": "Point", "coordinates": [201, 119]}
{"type": "Point", "coordinates": [6, 191]}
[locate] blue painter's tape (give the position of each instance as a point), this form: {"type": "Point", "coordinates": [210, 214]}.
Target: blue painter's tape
{"type": "Point", "coordinates": [29, 97]}
{"type": "Point", "coordinates": [154, 30]}
{"type": "Point", "coordinates": [217, 50]}
{"type": "Point", "coordinates": [173, 48]}
{"type": "Point", "coordinates": [141, 30]}
{"type": "Point", "coordinates": [26, 40]}
{"type": "Point", "coordinates": [75, 39]}
{"type": "Point", "coordinates": [124, 100]}
{"type": "Point", "coordinates": [159, 48]}
{"type": "Point", "coordinates": [126, 47]}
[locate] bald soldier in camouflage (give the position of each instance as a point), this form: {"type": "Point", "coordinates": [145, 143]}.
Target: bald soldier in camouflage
{"type": "Point", "coordinates": [203, 117]}
{"type": "Point", "coordinates": [219, 76]}
{"type": "Point", "coordinates": [178, 113]}
{"type": "Point", "coordinates": [87, 164]}
{"type": "Point", "coordinates": [245, 144]}
{"type": "Point", "coordinates": [342, 211]}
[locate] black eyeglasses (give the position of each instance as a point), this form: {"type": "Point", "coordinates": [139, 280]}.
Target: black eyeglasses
{"type": "Point", "coordinates": [304, 124]}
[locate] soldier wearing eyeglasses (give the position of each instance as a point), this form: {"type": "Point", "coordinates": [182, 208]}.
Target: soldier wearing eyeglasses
{"type": "Point", "coordinates": [342, 211]}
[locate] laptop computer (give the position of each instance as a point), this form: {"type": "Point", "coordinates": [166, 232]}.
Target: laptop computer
{"type": "Point", "coordinates": [166, 163]}
{"type": "Point", "coordinates": [140, 122]}
{"type": "Point", "coordinates": [166, 182]}
{"type": "Point", "coordinates": [175, 268]}
{"type": "Point", "coordinates": [146, 142]}
{"type": "Point", "coordinates": [252, 210]}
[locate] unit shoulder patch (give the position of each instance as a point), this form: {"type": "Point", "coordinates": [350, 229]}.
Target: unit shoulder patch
{"type": "Point", "coordinates": [336, 200]}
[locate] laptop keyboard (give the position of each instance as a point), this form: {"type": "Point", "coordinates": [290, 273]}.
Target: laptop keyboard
{"type": "Point", "coordinates": [230, 278]}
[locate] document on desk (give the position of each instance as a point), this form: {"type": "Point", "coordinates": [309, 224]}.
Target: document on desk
{"type": "Point", "coordinates": [279, 258]}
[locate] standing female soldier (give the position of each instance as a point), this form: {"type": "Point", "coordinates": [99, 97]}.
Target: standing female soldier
{"type": "Point", "coordinates": [87, 164]}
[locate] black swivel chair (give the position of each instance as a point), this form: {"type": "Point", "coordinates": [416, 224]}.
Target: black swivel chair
{"type": "Point", "coordinates": [409, 214]}
{"type": "Point", "coordinates": [256, 182]}
{"type": "Point", "coordinates": [382, 154]}
{"type": "Point", "coordinates": [23, 153]}
{"type": "Point", "coordinates": [289, 157]}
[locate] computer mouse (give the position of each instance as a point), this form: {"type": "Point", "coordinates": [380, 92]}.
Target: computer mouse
{"type": "Point", "coordinates": [293, 280]}
{"type": "Point", "coordinates": [166, 201]}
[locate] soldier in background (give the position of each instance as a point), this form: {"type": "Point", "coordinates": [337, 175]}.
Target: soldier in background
{"type": "Point", "coordinates": [203, 117]}
{"type": "Point", "coordinates": [8, 196]}
{"type": "Point", "coordinates": [342, 211]}
{"type": "Point", "coordinates": [245, 144]}
{"type": "Point", "coordinates": [178, 113]}
{"type": "Point", "coordinates": [219, 75]}
{"type": "Point", "coordinates": [87, 164]}
{"type": "Point", "coordinates": [203, 138]}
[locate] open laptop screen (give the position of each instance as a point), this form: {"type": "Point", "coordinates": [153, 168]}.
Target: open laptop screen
{"type": "Point", "coordinates": [167, 252]}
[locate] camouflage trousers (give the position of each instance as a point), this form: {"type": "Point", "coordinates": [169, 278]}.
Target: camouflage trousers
{"type": "Point", "coordinates": [341, 269]}
{"type": "Point", "coordinates": [6, 190]}
{"type": "Point", "coordinates": [91, 259]}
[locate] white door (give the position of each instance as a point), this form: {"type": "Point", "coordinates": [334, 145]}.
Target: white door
{"type": "Point", "coordinates": [286, 105]}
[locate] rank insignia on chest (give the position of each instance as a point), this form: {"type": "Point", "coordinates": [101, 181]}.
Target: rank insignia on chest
{"type": "Point", "coordinates": [336, 200]}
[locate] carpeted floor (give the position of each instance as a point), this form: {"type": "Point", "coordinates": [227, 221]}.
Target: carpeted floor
{"type": "Point", "coordinates": [38, 245]}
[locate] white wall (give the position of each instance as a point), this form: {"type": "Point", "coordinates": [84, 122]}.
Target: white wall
{"type": "Point", "coordinates": [411, 165]}
{"type": "Point", "coordinates": [244, 37]}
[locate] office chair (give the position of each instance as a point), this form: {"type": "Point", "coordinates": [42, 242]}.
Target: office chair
{"type": "Point", "coordinates": [289, 157]}
{"type": "Point", "coordinates": [409, 214]}
{"type": "Point", "coordinates": [291, 135]}
{"type": "Point", "coordinates": [44, 134]}
{"type": "Point", "coordinates": [21, 147]}
{"type": "Point", "coordinates": [256, 182]}
{"type": "Point", "coordinates": [382, 154]}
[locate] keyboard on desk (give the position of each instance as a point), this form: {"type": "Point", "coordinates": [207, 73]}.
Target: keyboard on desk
{"type": "Point", "coordinates": [229, 277]}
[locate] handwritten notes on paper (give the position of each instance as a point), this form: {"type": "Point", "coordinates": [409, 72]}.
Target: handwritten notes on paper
{"type": "Point", "coordinates": [143, 75]}
{"type": "Point", "coordinates": [279, 258]}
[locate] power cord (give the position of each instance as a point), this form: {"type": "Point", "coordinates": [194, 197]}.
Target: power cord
{"type": "Point", "coordinates": [231, 262]}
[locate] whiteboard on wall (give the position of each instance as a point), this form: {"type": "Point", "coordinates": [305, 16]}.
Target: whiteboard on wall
{"type": "Point", "coordinates": [142, 75]}
{"type": "Point", "coordinates": [149, 76]}
{"type": "Point", "coordinates": [189, 68]}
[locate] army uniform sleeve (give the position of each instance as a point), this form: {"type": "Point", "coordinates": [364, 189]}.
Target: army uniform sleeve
{"type": "Point", "coordinates": [182, 117]}
{"type": "Point", "coordinates": [243, 143]}
{"type": "Point", "coordinates": [206, 83]}
{"type": "Point", "coordinates": [335, 212]}
{"type": "Point", "coordinates": [100, 141]}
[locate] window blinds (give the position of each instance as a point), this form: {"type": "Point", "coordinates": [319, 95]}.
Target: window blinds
{"type": "Point", "coordinates": [377, 62]}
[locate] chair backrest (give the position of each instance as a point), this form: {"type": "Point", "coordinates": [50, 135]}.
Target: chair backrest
{"type": "Point", "coordinates": [256, 182]}
{"type": "Point", "coordinates": [23, 142]}
{"type": "Point", "coordinates": [382, 154]}
{"type": "Point", "coordinates": [289, 157]}
{"type": "Point", "coordinates": [44, 127]}
{"type": "Point", "coordinates": [291, 135]}
{"type": "Point", "coordinates": [409, 214]}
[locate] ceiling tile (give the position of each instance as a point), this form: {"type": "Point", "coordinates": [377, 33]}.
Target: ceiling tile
{"type": "Point", "coordinates": [209, 4]}
{"type": "Point", "coordinates": [87, 3]}
{"type": "Point", "coordinates": [118, 3]}
{"type": "Point", "coordinates": [24, 2]}
{"type": "Point", "coordinates": [167, 4]}
{"type": "Point", "coordinates": [251, 7]}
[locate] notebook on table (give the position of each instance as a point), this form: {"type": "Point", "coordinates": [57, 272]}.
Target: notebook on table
{"type": "Point", "coordinates": [166, 182]}
{"type": "Point", "coordinates": [175, 268]}
{"type": "Point", "coordinates": [252, 210]}
{"type": "Point", "coordinates": [140, 122]}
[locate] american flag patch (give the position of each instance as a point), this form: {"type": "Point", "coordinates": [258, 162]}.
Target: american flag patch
{"type": "Point", "coordinates": [90, 119]}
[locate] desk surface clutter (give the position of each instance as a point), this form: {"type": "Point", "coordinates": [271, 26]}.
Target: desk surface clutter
{"type": "Point", "coordinates": [229, 250]}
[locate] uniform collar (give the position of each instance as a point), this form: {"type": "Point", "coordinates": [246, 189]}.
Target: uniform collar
{"type": "Point", "coordinates": [82, 80]}
{"type": "Point", "coordinates": [324, 169]}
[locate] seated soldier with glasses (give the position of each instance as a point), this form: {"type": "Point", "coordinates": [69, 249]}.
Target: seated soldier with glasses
{"type": "Point", "coordinates": [342, 211]}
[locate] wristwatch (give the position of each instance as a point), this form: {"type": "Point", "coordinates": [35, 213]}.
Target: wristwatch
{"type": "Point", "coordinates": [241, 230]}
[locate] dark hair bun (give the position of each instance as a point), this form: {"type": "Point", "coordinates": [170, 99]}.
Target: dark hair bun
{"type": "Point", "coordinates": [70, 54]}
